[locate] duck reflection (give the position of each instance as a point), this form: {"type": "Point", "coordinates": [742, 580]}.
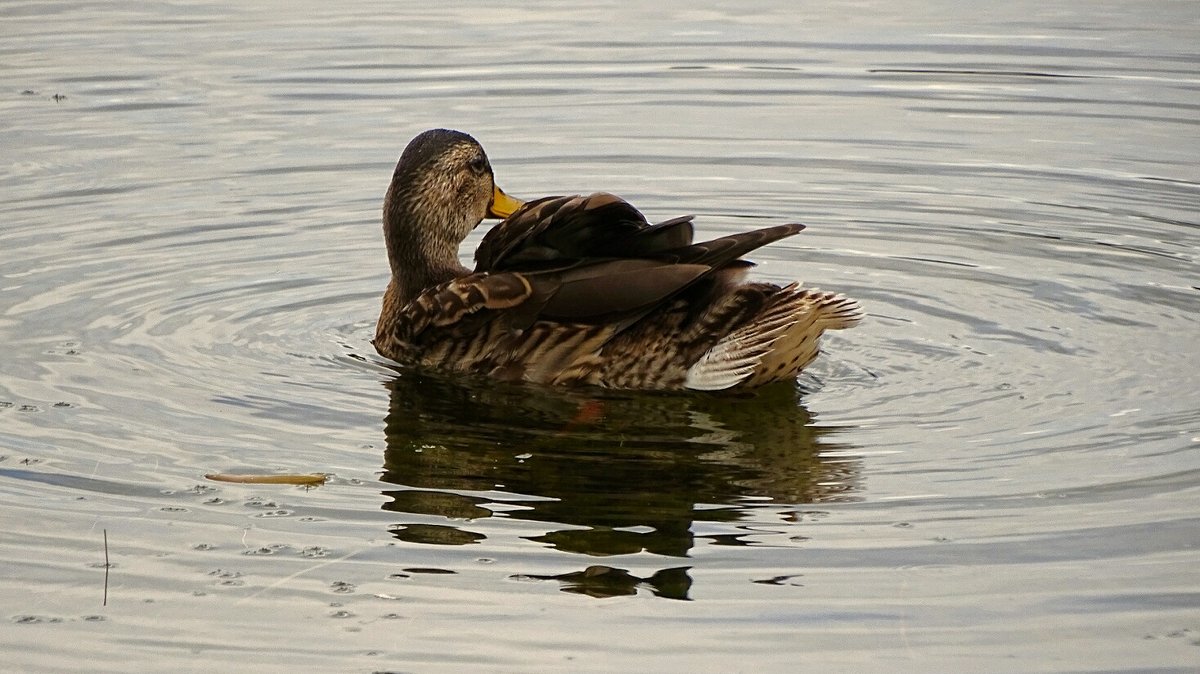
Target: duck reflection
{"type": "Point", "coordinates": [607, 581]}
{"type": "Point", "coordinates": [605, 473]}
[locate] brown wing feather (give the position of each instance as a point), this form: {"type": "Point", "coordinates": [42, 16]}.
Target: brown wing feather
{"type": "Point", "coordinates": [451, 302]}
{"type": "Point", "coordinates": [718, 252]}
{"type": "Point", "coordinates": [558, 228]}
{"type": "Point", "coordinates": [617, 286]}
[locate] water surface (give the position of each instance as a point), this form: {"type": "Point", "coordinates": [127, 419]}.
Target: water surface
{"type": "Point", "coordinates": [997, 471]}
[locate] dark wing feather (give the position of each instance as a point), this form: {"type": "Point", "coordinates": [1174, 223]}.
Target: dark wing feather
{"type": "Point", "coordinates": [554, 232]}
{"type": "Point", "coordinates": [616, 287]}
{"type": "Point", "coordinates": [719, 252]}
{"type": "Point", "coordinates": [558, 228]}
{"type": "Point", "coordinates": [596, 258]}
{"type": "Point", "coordinates": [652, 240]}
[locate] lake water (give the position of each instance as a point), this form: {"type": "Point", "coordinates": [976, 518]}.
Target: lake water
{"type": "Point", "coordinates": [999, 470]}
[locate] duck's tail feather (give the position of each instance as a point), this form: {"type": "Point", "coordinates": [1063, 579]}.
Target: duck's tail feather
{"type": "Point", "coordinates": [777, 343]}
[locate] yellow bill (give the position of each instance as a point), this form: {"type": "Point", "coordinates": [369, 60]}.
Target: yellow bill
{"type": "Point", "coordinates": [502, 205]}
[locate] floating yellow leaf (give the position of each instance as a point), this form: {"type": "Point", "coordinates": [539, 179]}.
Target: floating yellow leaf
{"type": "Point", "coordinates": [310, 480]}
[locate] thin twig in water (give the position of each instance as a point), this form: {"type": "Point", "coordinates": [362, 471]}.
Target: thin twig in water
{"type": "Point", "coordinates": [106, 566]}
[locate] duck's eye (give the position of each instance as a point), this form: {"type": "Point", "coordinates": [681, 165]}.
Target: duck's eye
{"type": "Point", "coordinates": [478, 165]}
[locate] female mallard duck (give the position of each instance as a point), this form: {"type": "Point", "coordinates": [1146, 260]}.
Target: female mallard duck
{"type": "Point", "coordinates": [580, 290]}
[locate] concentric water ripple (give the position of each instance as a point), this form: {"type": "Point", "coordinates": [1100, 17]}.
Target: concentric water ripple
{"type": "Point", "coordinates": [999, 466]}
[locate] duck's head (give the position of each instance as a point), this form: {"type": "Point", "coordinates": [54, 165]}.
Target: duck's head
{"type": "Point", "coordinates": [443, 188]}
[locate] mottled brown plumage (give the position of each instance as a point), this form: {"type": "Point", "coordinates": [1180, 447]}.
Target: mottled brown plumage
{"type": "Point", "coordinates": [580, 290]}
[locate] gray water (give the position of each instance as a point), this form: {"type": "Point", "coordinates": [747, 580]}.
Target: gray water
{"type": "Point", "coordinates": [999, 470]}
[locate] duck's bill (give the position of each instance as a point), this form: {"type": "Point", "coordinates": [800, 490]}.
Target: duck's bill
{"type": "Point", "coordinates": [502, 205]}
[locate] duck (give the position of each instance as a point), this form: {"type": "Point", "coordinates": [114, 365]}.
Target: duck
{"type": "Point", "coordinates": [580, 290]}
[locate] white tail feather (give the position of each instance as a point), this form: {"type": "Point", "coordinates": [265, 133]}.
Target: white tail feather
{"type": "Point", "coordinates": [777, 343]}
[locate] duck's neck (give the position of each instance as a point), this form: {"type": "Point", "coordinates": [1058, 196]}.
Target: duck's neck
{"type": "Point", "coordinates": [419, 257]}
{"type": "Point", "coordinates": [407, 285]}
